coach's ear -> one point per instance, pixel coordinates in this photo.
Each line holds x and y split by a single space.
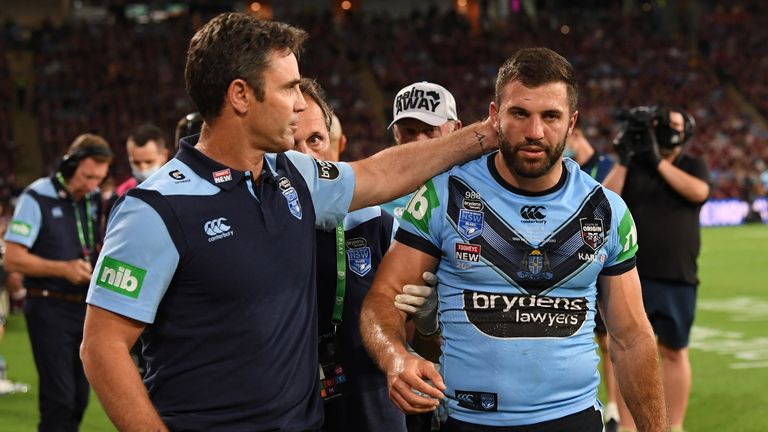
238 96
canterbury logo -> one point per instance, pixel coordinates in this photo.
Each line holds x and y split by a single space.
533 212
466 397
216 226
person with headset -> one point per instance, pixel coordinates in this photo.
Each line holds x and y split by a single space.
665 189
53 240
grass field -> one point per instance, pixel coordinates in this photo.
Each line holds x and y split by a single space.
729 348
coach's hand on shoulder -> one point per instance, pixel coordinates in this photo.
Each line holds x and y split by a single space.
408 388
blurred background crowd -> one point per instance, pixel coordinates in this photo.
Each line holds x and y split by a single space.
108 66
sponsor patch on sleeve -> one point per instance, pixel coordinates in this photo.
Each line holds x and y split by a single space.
121 277
419 208
627 237
20 228
327 170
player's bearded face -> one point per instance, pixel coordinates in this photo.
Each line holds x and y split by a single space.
527 167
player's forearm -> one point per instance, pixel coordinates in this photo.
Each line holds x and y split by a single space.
19 259
383 331
637 369
689 187
117 383
400 170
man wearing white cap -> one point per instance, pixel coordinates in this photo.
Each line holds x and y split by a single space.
421 111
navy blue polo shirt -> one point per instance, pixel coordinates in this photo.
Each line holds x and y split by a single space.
364 404
223 273
44 223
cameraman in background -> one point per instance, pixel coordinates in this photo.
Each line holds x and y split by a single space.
665 190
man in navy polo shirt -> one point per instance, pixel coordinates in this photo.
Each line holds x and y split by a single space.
353 389
53 240
211 260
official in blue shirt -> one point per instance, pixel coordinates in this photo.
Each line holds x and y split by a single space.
53 240
211 260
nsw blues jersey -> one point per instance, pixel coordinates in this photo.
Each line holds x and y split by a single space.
517 287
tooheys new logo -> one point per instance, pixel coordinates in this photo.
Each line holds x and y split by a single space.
417 100
525 316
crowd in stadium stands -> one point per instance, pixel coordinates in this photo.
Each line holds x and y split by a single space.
108 78
7 153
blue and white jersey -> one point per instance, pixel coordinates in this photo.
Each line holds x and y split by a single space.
517 287
222 271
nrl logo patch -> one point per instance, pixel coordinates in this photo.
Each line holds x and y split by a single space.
592 232
359 261
470 223
291 197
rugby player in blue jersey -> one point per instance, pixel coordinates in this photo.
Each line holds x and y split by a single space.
518 240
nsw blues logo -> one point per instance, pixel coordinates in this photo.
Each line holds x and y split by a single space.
592 232
291 197
537 264
359 260
488 401
470 223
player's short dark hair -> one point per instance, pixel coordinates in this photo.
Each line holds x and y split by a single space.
232 46
311 88
145 133
534 67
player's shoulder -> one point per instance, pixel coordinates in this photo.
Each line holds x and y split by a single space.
177 178
367 215
43 187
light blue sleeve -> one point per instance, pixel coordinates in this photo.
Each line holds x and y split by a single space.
331 184
25 225
136 264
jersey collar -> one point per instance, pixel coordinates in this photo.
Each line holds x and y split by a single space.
215 173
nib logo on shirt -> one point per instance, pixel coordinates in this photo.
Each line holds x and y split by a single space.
120 277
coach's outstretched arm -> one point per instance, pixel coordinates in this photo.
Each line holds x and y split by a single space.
633 350
401 169
105 352
383 331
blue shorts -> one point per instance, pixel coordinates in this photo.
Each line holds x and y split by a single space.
670 307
